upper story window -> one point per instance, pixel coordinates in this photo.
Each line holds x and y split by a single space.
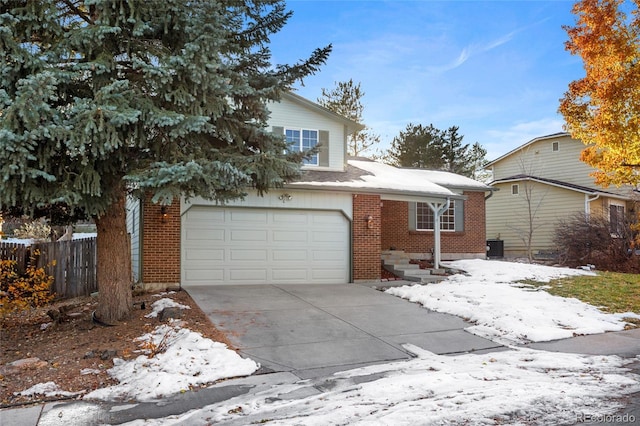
425 218
555 146
302 140
616 219
515 189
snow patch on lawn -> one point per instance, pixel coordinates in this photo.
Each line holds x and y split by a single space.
165 302
506 312
179 359
47 389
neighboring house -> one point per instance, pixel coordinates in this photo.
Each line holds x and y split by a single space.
330 226
541 183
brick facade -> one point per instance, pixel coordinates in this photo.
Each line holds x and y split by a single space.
161 237
469 243
366 237
160 245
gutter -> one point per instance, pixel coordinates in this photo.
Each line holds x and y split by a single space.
370 190
491 193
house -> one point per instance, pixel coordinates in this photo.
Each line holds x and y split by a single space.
330 226
539 184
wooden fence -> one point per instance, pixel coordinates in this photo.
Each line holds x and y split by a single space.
71 263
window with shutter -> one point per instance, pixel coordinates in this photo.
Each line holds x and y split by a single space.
305 139
616 219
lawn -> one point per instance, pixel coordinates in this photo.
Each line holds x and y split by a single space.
610 291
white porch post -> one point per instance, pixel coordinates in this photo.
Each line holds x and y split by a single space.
438 210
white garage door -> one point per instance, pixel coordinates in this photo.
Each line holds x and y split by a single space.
264 246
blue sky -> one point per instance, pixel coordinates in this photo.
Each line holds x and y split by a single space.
496 69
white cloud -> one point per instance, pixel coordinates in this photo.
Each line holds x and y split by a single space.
502 141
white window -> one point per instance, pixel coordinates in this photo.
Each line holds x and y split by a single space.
616 219
555 146
425 218
302 140
515 189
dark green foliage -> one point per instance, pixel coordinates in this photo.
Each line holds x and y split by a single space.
161 96
56 214
424 147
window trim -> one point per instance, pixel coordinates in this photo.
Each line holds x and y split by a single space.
300 148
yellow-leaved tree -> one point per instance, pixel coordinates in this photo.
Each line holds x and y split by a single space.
603 108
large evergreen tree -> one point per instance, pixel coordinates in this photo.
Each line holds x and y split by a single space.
456 155
427 147
346 99
417 146
163 97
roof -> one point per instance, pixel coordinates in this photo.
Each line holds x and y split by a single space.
451 180
370 176
531 142
561 184
352 125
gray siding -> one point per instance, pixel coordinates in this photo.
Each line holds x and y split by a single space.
133 228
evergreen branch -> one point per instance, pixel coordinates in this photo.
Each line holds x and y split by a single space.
78 12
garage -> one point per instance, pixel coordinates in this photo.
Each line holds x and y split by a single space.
232 245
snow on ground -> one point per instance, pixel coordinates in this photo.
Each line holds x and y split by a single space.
46 389
165 302
185 359
519 386
507 312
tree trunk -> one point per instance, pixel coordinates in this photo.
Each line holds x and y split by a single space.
114 264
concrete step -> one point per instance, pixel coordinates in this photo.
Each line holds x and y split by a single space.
418 272
412 274
396 261
430 279
405 266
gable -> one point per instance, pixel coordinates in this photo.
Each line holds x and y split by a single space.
296 113
555 157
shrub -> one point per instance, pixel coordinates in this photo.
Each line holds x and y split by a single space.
584 239
23 291
37 230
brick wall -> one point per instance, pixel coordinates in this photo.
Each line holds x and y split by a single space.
471 241
160 245
366 240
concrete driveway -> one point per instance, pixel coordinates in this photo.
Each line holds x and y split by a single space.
314 330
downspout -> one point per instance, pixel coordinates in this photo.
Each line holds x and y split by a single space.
437 212
587 202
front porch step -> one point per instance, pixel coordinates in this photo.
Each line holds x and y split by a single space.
396 260
405 266
399 263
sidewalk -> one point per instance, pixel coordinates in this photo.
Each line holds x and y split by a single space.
85 413
623 343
